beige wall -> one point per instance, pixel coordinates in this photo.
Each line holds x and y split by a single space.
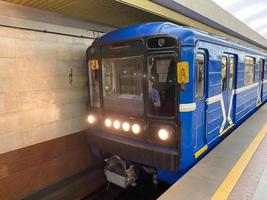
37 103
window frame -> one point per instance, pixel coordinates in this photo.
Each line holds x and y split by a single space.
200 52
114 83
250 65
172 55
235 60
261 69
226 57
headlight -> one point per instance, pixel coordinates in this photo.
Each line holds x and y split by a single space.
116 124
161 42
126 126
164 134
91 119
108 122
136 128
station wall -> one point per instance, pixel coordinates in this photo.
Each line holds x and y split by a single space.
37 101
42 115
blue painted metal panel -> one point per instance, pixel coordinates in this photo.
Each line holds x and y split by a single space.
190 41
187 152
264 92
187 36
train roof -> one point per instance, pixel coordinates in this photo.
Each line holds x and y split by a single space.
187 36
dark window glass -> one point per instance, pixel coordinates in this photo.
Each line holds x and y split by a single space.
261 68
200 75
249 77
265 71
94 86
122 84
232 72
224 73
125 48
161 85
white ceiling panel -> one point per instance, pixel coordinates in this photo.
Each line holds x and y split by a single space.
251 12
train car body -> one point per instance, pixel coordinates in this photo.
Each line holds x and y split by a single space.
227 82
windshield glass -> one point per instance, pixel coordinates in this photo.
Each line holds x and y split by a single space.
161 85
122 84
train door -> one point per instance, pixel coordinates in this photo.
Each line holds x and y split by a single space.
200 96
261 75
228 85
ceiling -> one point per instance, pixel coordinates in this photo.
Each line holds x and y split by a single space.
107 12
251 12
119 13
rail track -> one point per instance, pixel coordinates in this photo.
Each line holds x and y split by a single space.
145 190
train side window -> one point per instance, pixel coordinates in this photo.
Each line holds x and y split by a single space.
265 70
224 73
249 70
200 75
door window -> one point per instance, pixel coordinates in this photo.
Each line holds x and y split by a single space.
224 73
199 75
232 72
261 68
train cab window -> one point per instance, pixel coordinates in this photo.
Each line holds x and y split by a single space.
122 84
200 75
249 77
224 73
232 72
94 85
161 85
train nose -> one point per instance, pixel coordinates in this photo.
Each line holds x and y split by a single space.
117 172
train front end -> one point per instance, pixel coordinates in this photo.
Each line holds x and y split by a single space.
133 110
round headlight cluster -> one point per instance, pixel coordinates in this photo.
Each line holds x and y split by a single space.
108 122
163 134
116 124
125 126
136 128
91 119
161 42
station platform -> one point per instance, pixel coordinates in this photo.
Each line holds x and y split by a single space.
236 169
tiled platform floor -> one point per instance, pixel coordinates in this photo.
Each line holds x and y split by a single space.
203 180
253 182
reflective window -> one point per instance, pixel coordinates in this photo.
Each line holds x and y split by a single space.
261 68
232 72
249 77
224 73
94 85
122 84
161 85
265 70
200 75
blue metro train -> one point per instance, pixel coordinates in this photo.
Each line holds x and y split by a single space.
163 95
